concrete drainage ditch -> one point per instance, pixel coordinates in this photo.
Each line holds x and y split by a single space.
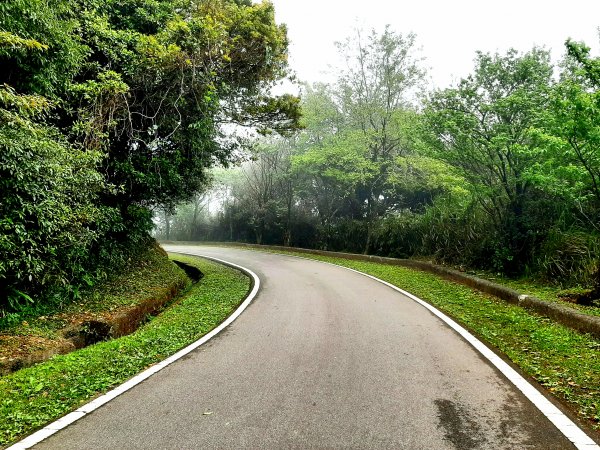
111 325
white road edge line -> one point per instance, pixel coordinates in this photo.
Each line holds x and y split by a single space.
67 420
565 425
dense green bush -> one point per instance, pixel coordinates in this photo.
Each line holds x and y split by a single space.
398 236
569 257
111 109
48 215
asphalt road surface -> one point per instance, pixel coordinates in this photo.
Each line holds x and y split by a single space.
323 358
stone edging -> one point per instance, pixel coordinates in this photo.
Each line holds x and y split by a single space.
564 315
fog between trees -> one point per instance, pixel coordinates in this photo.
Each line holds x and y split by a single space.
500 171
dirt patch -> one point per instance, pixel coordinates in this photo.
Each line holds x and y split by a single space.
587 297
17 352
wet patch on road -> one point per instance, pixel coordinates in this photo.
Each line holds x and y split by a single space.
459 427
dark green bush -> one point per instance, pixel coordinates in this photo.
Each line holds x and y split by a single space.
569 257
47 213
398 236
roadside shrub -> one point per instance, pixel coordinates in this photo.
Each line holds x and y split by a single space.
456 232
304 234
569 257
398 236
47 215
346 236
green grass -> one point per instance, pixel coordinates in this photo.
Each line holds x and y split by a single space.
33 397
566 362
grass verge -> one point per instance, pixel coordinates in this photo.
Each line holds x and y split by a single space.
564 361
33 397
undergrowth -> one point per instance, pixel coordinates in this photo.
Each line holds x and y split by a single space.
151 275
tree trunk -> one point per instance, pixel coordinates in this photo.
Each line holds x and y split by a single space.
194 221
370 220
287 234
167 227
368 243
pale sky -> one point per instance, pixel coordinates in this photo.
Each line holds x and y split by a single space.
449 32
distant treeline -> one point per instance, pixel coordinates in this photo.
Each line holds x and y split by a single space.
500 171
110 109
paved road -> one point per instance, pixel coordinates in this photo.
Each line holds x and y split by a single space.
323 358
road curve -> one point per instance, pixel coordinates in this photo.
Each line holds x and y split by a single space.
323 358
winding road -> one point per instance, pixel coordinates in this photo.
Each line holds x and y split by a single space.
322 358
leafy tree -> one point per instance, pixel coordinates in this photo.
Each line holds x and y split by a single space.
49 218
568 138
570 130
40 47
329 176
210 64
141 98
482 127
266 192
383 75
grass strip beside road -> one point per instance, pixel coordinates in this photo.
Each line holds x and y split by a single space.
564 361
33 397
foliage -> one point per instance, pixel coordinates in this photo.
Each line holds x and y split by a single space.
570 256
498 172
312 189
374 94
48 214
148 274
112 109
481 127
40 46
567 138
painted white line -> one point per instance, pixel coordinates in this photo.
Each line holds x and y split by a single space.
67 420
565 425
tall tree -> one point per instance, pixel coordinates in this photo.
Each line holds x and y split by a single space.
381 80
266 192
482 127
153 89
571 126
568 137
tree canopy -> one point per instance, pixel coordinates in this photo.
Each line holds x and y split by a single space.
111 109
499 171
